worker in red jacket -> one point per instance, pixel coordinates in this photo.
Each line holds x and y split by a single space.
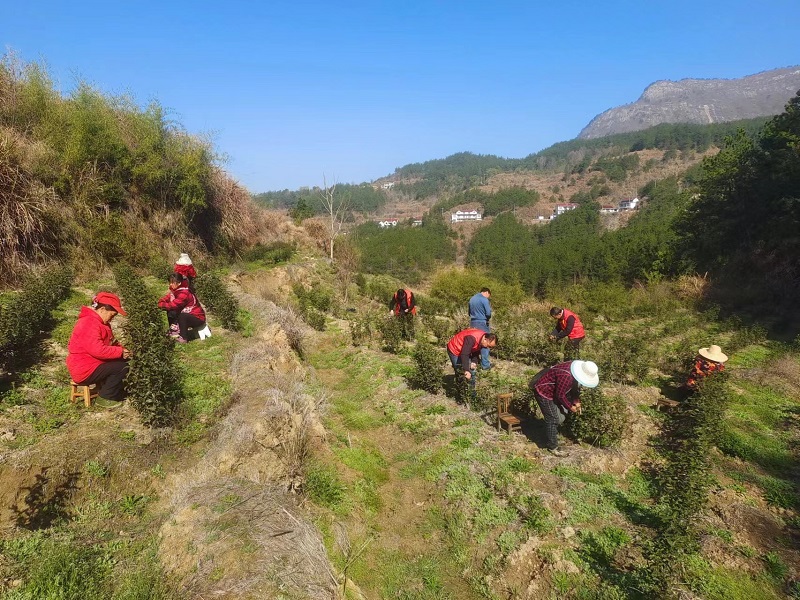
183 310
464 348
568 325
94 356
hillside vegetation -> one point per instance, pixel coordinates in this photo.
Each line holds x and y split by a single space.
316 447
92 179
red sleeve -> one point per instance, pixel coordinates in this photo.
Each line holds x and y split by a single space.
180 301
93 344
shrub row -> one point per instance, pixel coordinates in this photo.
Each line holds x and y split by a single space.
683 481
155 381
216 297
24 314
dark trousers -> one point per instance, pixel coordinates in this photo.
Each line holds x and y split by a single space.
172 316
109 378
188 321
572 349
553 417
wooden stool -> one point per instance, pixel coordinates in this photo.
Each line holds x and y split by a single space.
504 416
87 393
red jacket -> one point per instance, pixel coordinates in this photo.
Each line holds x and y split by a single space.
185 270
183 300
397 303
90 345
456 343
577 331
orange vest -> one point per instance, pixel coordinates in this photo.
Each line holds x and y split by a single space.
577 328
456 343
413 310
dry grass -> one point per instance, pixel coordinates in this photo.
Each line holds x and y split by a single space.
692 287
25 226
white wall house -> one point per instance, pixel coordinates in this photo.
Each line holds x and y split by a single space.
560 209
465 215
387 223
608 209
629 204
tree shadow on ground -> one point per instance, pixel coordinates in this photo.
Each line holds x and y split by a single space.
45 503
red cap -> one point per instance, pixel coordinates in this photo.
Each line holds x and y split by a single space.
112 300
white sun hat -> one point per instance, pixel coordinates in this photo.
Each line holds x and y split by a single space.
713 352
183 259
585 372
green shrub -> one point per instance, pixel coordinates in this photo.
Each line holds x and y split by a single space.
271 254
155 380
23 315
361 329
314 318
683 480
535 515
427 373
442 328
393 334
746 336
219 300
624 359
602 421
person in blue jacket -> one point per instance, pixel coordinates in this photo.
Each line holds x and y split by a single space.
480 311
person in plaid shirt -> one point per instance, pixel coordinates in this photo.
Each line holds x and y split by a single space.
557 392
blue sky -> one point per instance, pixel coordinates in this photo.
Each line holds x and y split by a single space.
292 91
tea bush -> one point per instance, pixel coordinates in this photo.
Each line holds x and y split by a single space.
155 380
602 421
683 481
746 336
624 359
361 329
427 373
23 315
219 300
442 328
393 334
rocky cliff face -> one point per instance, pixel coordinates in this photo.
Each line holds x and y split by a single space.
700 101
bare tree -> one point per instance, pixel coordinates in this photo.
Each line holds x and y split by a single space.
336 206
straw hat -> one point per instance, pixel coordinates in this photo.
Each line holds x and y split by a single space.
585 373
183 259
714 353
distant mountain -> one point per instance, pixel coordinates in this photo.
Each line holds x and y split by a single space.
700 101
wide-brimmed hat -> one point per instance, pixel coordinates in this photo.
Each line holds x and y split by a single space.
183 259
112 300
714 353
585 372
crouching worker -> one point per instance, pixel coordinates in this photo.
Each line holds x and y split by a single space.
404 305
94 356
557 392
464 349
568 325
708 360
183 310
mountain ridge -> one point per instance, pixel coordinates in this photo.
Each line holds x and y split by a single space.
700 101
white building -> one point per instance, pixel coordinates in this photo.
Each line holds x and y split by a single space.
608 209
560 209
465 215
387 223
388 185
629 204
